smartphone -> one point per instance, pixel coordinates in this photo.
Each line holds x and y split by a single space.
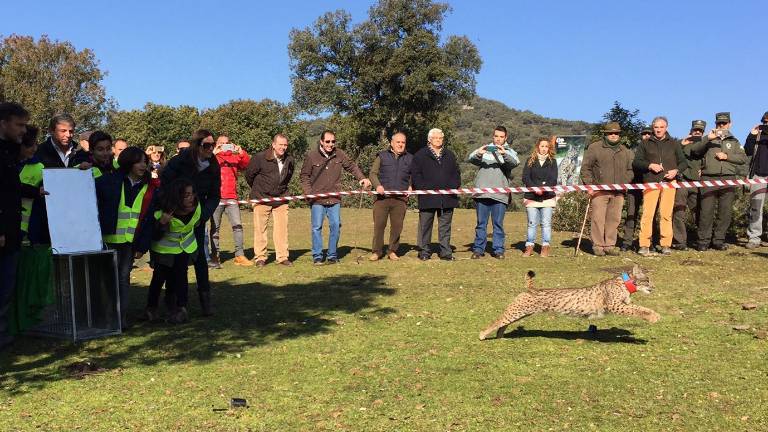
228 147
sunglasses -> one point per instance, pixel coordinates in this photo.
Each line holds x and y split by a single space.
612 133
207 146
330 141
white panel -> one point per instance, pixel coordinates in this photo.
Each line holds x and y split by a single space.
73 218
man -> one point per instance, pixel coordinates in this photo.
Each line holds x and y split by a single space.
606 162
659 159
13 126
634 198
435 167
687 198
495 162
232 160
321 172
391 171
182 145
269 173
84 141
118 146
59 150
723 159
756 146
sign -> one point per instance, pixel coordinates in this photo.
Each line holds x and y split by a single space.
73 217
569 152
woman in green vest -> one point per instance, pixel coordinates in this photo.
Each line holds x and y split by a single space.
173 245
120 196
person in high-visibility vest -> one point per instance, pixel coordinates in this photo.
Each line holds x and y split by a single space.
102 160
31 176
120 196
173 244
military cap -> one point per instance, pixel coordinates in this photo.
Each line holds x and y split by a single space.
646 130
612 127
765 116
723 117
698 124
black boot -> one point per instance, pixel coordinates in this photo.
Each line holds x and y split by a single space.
205 303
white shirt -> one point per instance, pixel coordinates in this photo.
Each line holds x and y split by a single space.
62 155
280 164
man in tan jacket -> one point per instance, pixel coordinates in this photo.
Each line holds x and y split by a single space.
321 173
606 162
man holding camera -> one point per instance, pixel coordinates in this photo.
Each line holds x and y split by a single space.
232 160
723 159
687 198
495 162
757 147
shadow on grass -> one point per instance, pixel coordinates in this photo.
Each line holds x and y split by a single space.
611 335
247 315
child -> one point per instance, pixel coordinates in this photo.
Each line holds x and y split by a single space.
173 245
102 159
121 196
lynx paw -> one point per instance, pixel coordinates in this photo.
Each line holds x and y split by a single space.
653 317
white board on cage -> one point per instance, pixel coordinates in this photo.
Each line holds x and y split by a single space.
73 218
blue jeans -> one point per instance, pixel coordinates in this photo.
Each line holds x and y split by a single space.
320 212
536 216
486 207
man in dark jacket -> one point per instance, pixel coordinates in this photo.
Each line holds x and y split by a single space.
723 159
13 126
269 173
660 159
321 173
606 162
391 171
634 198
435 167
199 166
756 146
687 198
60 150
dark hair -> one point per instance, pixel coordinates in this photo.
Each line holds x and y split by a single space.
327 131
12 109
501 129
61 118
197 140
171 197
98 136
131 156
30 137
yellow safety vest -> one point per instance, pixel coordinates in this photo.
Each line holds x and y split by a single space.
31 174
97 171
127 218
180 237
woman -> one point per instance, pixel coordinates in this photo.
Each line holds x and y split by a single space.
540 170
173 245
157 159
199 166
121 196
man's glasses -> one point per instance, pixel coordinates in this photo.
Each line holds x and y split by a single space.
612 133
330 141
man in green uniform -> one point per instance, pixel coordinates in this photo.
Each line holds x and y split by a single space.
688 199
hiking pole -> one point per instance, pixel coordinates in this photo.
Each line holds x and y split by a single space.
583 224
359 207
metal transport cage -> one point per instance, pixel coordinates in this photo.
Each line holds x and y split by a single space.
87 304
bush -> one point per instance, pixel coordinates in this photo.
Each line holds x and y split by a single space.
569 212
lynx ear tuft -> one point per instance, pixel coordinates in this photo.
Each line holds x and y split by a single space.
531 274
636 270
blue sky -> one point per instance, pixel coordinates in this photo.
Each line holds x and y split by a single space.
563 59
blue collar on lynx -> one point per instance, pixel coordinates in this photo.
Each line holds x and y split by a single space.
629 283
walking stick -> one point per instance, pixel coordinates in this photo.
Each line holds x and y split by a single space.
359 207
583 224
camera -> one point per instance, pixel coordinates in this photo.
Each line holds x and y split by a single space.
491 148
228 147
763 129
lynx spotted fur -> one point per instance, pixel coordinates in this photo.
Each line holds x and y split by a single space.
610 295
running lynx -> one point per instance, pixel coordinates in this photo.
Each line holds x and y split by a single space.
611 295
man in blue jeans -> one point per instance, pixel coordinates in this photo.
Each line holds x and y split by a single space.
495 162
321 173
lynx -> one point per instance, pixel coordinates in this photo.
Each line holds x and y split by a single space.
611 295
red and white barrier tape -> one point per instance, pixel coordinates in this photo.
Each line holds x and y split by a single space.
522 189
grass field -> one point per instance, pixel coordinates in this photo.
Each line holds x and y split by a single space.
393 346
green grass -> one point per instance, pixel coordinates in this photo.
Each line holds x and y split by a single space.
393 346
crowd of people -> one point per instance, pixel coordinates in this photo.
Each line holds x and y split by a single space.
173 207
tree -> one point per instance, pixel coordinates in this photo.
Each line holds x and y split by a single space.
155 124
631 125
252 124
50 77
387 73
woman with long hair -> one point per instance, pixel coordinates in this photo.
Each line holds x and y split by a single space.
540 170
157 159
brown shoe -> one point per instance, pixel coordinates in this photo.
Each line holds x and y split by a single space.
374 257
286 263
260 263
545 251
393 256
243 261
179 316
528 251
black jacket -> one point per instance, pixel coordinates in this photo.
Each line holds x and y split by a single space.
666 151
207 182
758 150
540 175
265 178
428 173
50 157
10 197
109 188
